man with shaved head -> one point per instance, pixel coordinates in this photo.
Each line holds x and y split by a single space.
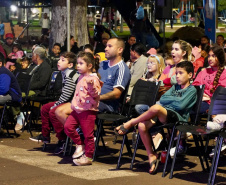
115 74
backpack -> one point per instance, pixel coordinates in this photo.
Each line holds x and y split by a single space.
140 13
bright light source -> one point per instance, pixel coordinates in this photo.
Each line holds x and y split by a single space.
34 10
97 11
13 8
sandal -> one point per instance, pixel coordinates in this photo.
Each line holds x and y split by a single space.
122 128
156 163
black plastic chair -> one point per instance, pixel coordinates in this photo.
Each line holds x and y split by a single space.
195 110
217 151
217 106
168 126
24 81
51 95
112 118
144 92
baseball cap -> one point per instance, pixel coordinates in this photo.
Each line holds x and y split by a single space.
9 35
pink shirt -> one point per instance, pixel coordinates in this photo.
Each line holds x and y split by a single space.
18 54
87 93
206 77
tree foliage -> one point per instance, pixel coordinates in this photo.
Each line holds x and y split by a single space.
221 5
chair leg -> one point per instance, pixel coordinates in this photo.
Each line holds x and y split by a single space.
6 121
175 155
135 150
40 104
102 140
121 150
2 119
203 150
199 151
216 162
168 151
29 125
26 115
128 146
44 146
65 147
164 138
3 112
71 144
97 138
30 119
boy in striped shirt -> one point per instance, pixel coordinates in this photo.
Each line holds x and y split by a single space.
66 65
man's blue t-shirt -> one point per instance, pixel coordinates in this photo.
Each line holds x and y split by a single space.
113 76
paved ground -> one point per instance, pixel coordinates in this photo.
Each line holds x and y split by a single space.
23 162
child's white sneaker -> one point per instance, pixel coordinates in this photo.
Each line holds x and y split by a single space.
214 126
80 150
83 161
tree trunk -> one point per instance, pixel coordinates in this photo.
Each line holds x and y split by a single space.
78 21
4 14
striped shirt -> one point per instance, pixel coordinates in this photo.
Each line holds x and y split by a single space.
69 84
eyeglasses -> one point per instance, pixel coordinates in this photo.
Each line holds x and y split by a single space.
151 63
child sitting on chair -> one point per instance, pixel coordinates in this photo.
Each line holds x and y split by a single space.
175 106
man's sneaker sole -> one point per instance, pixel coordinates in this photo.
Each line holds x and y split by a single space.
35 140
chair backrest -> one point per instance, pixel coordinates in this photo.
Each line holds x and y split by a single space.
24 81
218 102
55 79
122 100
196 107
144 92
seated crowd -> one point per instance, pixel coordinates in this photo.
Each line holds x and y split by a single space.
93 82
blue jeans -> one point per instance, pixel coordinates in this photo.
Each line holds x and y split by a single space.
141 108
103 107
204 107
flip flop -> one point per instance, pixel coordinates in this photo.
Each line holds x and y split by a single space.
122 128
156 163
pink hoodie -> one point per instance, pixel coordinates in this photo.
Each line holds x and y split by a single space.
87 93
18 54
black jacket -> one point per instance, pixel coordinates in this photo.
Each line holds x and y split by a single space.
40 79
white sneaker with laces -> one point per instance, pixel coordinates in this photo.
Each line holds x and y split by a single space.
80 150
82 161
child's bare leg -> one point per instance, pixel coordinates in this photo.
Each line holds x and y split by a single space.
146 139
63 112
153 111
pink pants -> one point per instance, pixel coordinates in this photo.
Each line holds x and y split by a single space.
48 116
86 120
